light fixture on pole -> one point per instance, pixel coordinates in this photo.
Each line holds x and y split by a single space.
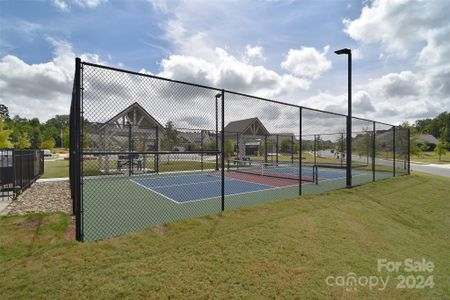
348 52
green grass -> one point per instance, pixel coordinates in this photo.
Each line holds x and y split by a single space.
283 249
56 169
431 158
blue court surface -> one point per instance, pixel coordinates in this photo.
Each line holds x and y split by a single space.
184 188
194 187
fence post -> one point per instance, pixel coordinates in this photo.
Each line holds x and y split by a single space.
393 151
223 152
77 150
201 145
300 150
158 148
217 133
277 150
265 148
373 152
409 151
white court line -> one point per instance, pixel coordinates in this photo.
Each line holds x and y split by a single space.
226 179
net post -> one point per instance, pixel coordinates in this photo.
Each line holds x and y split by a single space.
373 151
314 157
393 151
300 152
223 152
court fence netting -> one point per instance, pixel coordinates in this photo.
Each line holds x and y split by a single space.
146 150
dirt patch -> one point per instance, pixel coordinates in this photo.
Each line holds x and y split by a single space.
69 235
160 230
31 223
264 210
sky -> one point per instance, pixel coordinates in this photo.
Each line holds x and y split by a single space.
282 50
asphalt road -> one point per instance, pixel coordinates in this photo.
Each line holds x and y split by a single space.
442 170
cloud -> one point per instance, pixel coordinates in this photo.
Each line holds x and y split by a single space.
42 89
400 26
64 5
400 84
307 62
254 53
226 71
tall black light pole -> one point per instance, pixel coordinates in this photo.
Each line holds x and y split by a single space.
348 52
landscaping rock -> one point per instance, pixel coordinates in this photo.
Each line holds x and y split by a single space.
42 197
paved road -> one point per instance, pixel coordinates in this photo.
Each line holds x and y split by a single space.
442 170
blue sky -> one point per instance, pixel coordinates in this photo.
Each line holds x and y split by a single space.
401 50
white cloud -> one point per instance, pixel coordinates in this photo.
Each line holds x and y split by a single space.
42 89
418 30
307 62
65 5
226 71
400 26
254 53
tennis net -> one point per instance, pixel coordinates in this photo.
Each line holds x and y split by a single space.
270 169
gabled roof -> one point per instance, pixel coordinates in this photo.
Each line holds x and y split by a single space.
426 138
135 106
241 126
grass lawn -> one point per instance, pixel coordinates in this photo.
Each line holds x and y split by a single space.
283 249
431 158
56 169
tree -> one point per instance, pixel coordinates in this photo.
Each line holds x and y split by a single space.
24 141
285 146
59 121
66 137
4 112
211 145
36 138
48 144
228 147
171 137
440 149
4 136
192 146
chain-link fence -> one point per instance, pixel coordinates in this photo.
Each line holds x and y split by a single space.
147 150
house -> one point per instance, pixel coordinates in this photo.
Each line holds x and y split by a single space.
426 142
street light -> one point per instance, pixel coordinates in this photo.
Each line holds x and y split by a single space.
348 52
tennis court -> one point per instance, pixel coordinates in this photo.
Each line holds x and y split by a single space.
184 188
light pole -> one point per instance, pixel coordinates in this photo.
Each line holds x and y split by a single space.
348 52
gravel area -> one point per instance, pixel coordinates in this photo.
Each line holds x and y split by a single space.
42 197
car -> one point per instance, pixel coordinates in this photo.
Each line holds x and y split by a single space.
47 153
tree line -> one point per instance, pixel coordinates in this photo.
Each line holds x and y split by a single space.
22 133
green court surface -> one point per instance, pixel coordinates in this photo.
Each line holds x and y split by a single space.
116 205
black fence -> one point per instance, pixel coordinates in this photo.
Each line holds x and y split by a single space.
147 150
19 168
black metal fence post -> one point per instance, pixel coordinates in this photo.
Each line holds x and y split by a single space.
201 146
300 150
409 151
373 151
223 152
77 150
157 149
217 133
393 151
277 149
